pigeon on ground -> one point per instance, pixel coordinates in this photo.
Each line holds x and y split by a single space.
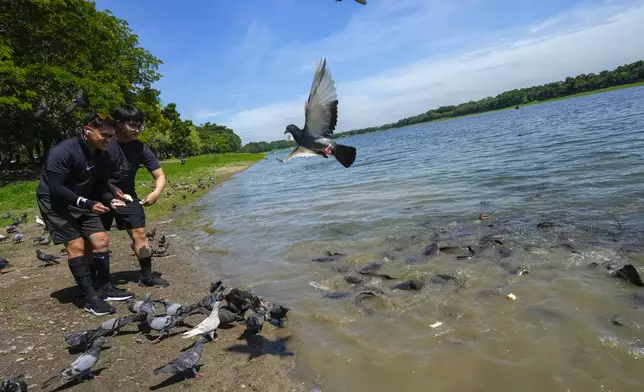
142 308
82 366
3 238
208 326
6 215
40 222
171 308
16 384
4 263
151 234
115 324
78 339
164 324
16 221
17 238
255 323
12 229
80 101
320 119
46 258
188 360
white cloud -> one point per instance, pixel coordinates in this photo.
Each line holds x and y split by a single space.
587 40
204 114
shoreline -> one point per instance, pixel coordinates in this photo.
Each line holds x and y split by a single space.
43 307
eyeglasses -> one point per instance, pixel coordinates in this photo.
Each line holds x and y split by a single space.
134 125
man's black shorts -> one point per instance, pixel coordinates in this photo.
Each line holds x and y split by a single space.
68 223
132 216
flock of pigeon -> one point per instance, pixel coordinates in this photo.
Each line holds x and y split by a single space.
241 306
14 234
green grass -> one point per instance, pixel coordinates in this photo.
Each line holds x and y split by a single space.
21 196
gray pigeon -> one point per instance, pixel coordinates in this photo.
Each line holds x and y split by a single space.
81 367
17 238
171 308
77 339
143 308
186 361
115 324
164 324
46 258
320 119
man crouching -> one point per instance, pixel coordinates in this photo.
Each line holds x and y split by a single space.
74 177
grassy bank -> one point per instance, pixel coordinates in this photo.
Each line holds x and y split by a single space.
21 197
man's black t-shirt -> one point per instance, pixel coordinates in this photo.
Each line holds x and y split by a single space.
71 171
125 160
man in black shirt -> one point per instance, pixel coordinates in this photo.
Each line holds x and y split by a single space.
126 156
73 187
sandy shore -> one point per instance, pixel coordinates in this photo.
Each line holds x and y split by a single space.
40 304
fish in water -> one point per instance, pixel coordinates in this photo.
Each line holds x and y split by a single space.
431 249
409 285
329 257
357 301
371 268
320 119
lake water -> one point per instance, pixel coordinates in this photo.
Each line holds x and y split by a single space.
576 163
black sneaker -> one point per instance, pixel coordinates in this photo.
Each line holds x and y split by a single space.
98 307
154 281
111 293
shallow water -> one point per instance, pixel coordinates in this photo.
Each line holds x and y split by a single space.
575 162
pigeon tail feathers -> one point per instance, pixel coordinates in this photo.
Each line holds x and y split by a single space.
346 155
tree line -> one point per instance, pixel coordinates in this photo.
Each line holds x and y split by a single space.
622 75
49 49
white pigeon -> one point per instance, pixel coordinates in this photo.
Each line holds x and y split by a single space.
208 326
40 221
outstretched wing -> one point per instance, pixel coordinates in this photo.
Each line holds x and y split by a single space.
298 152
321 109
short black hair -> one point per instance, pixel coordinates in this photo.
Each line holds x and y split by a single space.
128 112
94 119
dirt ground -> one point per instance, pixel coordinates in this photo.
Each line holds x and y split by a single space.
39 305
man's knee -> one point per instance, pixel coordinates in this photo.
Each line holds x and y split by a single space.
75 247
100 242
139 237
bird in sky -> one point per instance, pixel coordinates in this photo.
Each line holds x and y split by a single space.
320 119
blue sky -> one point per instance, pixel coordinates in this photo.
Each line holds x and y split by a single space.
248 64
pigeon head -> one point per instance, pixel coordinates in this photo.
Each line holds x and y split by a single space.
292 129
99 342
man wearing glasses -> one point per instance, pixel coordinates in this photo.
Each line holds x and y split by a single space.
73 187
126 156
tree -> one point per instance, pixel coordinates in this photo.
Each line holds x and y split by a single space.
50 49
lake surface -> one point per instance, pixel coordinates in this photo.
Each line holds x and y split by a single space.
576 163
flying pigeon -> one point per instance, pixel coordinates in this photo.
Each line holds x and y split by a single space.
320 119
363 2
80 101
186 361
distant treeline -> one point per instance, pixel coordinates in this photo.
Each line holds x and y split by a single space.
624 74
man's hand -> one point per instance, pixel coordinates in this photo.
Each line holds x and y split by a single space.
99 208
117 203
151 198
